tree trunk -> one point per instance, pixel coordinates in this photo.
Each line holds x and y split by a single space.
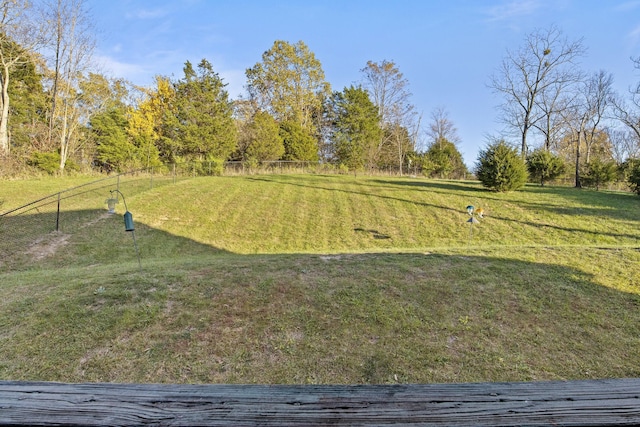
64 140
399 141
4 113
578 184
525 129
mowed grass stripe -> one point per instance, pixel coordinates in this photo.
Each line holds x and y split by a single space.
267 214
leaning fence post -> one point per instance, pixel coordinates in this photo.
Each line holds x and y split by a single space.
58 215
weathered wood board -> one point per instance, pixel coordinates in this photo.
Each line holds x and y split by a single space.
570 403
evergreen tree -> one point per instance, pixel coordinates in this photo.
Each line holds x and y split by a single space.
544 166
264 140
299 144
443 160
356 127
598 173
633 177
114 150
501 168
202 124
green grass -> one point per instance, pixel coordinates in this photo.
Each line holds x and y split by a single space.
328 279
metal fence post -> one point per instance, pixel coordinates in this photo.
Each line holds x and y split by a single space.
58 215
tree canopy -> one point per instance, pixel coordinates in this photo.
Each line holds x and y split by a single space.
202 123
443 160
356 128
55 105
289 83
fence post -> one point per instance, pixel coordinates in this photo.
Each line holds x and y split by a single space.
58 215
152 178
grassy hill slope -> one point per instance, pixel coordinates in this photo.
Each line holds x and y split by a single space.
328 279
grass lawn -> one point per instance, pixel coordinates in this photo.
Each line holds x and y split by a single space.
325 279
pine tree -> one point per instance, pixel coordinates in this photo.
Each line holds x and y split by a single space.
202 124
501 168
544 166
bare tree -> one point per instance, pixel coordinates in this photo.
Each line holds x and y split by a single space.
585 115
629 114
72 45
389 91
441 127
598 93
551 103
545 64
21 35
624 144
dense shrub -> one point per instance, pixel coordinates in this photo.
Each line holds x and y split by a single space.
544 166
633 177
598 173
443 160
501 168
48 162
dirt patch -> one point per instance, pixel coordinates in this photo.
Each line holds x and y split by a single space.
335 257
48 245
96 220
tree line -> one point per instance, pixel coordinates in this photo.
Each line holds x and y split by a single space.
57 113
564 118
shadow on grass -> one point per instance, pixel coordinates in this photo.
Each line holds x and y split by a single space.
85 237
196 316
614 205
594 233
611 204
338 319
374 233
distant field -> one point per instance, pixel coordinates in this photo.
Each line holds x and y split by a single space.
323 279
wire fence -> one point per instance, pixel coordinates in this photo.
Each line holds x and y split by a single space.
47 218
25 226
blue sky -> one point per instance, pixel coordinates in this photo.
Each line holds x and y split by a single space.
447 50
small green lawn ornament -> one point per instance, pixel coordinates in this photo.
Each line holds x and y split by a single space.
471 210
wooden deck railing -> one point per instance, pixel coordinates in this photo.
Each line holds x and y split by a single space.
571 403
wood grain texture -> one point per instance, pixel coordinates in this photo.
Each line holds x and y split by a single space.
571 403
